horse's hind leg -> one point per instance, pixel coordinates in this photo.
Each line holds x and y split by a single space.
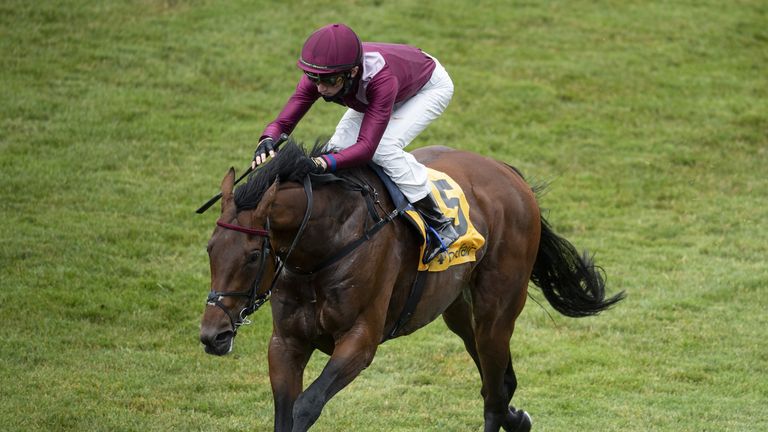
515 421
458 318
497 300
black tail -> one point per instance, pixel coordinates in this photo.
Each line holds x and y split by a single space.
570 282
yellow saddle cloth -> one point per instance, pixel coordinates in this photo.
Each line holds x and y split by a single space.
453 203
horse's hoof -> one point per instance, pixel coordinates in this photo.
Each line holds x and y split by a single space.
518 421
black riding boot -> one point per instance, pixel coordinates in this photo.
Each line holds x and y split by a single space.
442 225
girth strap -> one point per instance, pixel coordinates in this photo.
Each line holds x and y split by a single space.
410 304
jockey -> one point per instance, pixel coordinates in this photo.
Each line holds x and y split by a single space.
392 92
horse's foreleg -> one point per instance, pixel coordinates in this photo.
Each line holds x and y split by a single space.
353 353
287 360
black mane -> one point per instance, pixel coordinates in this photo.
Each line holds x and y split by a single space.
282 166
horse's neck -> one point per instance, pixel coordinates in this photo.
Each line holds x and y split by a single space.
338 216
331 207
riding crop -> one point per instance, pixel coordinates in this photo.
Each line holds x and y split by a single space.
212 201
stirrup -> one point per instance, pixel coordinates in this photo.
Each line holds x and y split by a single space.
434 251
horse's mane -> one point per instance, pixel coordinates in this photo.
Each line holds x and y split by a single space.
283 167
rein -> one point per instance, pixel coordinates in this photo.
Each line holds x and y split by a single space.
371 200
351 246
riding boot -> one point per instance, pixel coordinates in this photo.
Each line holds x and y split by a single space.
440 224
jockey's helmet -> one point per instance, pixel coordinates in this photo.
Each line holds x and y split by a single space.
332 49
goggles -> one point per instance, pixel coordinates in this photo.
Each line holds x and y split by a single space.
329 80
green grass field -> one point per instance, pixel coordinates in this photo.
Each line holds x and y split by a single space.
649 119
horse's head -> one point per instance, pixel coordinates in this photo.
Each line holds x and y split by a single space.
262 220
241 268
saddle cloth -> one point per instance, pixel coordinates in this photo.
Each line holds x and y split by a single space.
453 203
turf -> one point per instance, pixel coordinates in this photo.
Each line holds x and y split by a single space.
648 119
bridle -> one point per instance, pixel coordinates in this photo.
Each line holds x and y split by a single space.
256 300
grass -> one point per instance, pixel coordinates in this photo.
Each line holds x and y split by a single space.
650 119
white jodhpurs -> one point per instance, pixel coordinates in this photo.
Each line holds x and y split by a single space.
409 118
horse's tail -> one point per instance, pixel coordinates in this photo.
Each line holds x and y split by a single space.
570 282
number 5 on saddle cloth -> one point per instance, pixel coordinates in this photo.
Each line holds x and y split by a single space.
453 203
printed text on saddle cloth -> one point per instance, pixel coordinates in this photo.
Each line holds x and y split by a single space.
454 205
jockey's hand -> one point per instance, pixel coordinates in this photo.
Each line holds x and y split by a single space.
305 167
266 148
320 164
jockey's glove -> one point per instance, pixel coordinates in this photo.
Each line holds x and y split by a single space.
308 166
321 165
265 148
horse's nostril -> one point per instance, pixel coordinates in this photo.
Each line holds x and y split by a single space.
223 337
209 339
218 344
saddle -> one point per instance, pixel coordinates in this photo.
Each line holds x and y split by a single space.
454 204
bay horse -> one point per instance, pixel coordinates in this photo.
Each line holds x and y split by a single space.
340 286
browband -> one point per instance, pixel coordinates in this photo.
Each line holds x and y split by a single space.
242 229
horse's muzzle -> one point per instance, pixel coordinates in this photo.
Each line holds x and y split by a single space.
217 343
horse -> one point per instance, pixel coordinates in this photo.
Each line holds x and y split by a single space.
338 268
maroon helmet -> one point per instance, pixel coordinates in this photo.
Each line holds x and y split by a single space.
332 49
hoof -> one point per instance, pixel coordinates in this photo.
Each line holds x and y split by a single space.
518 421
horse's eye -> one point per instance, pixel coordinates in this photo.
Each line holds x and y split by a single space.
254 257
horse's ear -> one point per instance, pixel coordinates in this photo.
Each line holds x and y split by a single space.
227 185
266 201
